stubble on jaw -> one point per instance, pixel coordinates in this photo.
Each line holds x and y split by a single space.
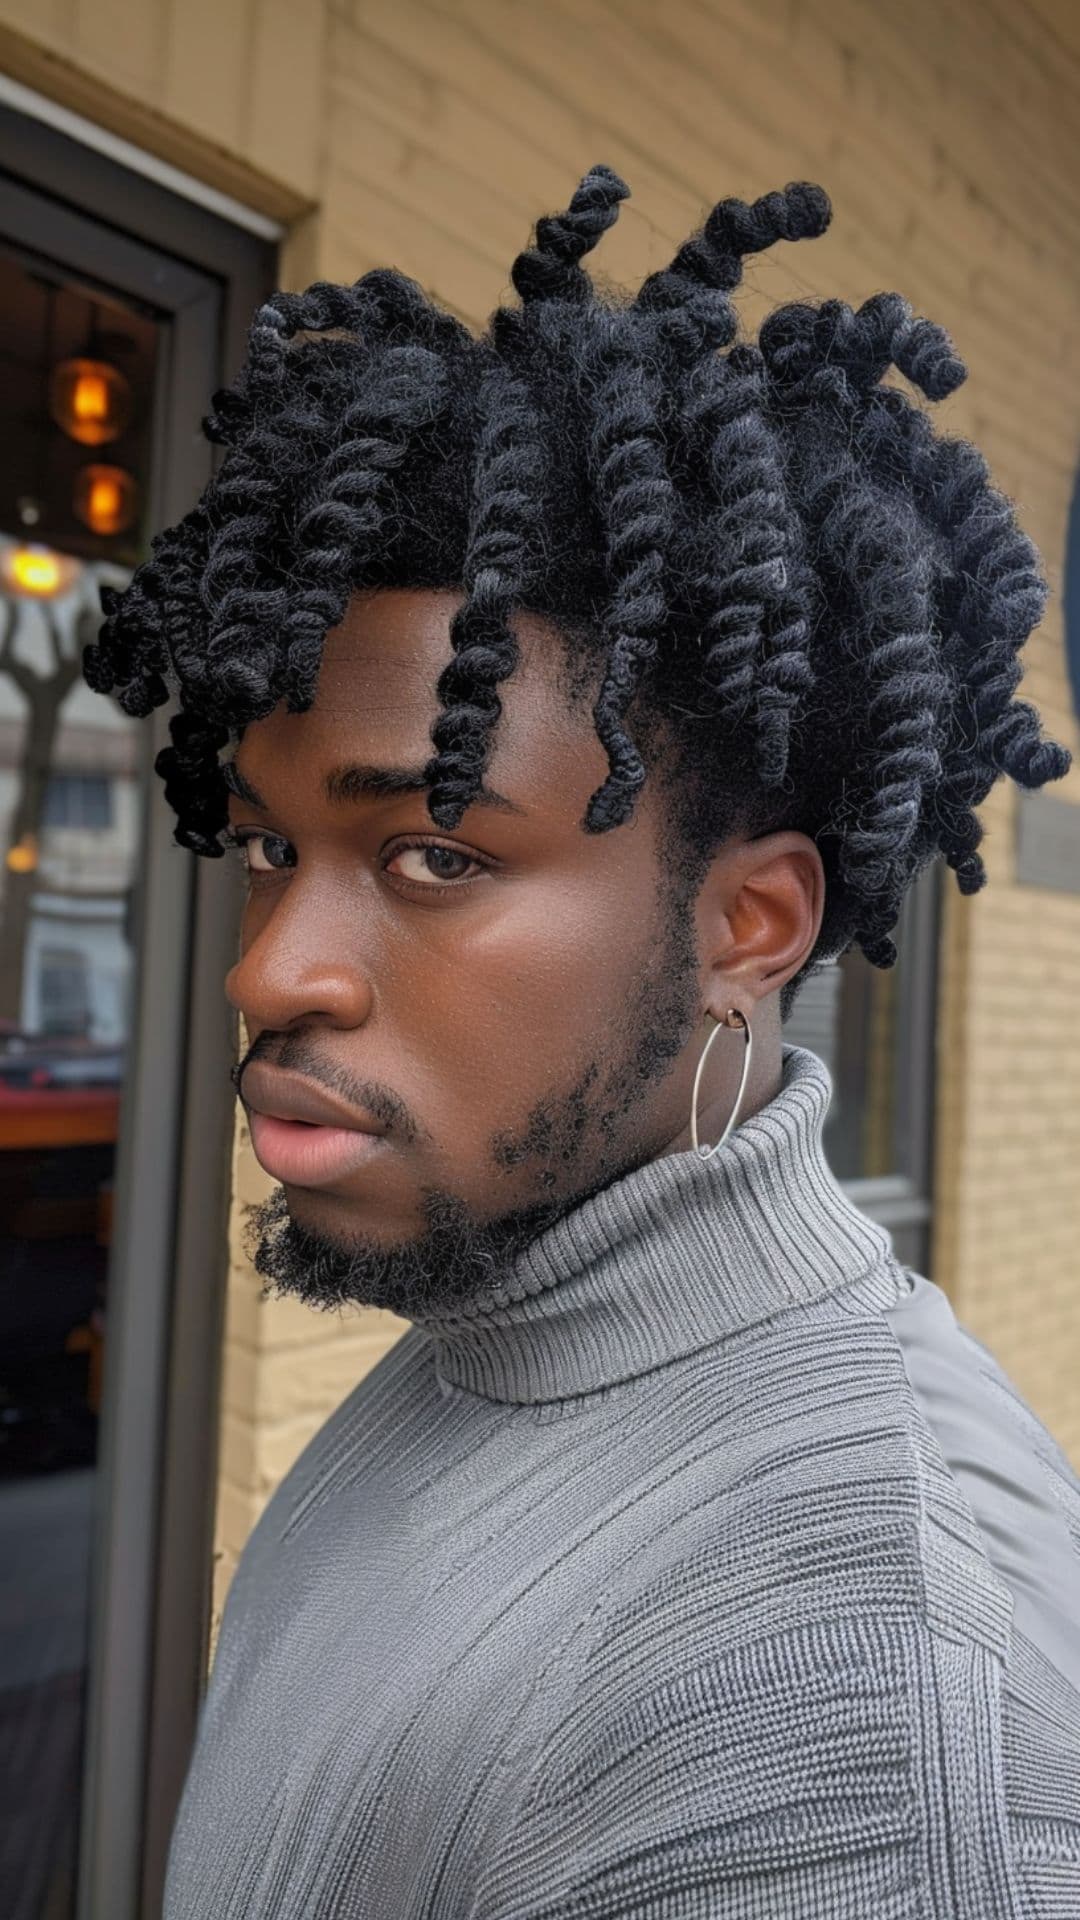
456 1257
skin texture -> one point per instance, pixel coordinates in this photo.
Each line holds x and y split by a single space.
527 1028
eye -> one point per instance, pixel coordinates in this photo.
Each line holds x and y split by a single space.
262 852
428 864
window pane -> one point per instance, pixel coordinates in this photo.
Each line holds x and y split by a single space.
852 1015
69 829
64 989
77 800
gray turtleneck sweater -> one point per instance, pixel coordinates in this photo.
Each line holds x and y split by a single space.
709 1568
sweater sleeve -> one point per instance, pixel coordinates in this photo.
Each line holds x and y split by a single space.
842 1768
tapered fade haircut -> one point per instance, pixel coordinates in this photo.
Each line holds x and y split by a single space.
793 604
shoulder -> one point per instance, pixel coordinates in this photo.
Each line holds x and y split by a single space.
845 1765
1002 1502
772 1730
345 1456
803 1695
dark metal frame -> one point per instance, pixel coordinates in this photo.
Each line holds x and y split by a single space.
168 1267
903 1201
1072 595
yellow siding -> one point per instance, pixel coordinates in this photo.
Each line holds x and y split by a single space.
231 92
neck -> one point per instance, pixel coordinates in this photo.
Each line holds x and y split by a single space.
679 1254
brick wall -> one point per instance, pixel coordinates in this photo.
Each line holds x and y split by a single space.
429 134
285 1368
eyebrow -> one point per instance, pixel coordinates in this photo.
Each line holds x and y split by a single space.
355 781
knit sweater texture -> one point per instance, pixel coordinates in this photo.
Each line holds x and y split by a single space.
708 1567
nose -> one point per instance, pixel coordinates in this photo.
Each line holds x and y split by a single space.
300 965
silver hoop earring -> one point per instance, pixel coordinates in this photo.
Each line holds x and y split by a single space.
732 1018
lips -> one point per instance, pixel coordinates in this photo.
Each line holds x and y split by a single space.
303 1135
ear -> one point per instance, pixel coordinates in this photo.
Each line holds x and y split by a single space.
759 913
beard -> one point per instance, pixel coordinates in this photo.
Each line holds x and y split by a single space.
573 1144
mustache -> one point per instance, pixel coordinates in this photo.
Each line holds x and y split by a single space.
296 1051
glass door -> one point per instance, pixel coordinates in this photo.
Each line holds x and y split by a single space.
876 1030
121 308
77 380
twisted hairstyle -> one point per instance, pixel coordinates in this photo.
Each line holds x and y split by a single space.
801 606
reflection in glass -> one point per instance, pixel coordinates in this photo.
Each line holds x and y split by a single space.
68 797
849 1014
69 833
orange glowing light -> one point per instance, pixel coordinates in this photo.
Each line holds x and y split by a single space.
23 856
36 572
91 400
105 499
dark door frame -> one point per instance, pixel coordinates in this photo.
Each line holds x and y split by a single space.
1072 594
157 1463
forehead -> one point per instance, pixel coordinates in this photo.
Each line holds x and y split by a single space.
392 645
376 700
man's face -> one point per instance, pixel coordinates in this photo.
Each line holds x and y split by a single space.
512 1000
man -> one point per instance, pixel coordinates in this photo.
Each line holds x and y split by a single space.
589 685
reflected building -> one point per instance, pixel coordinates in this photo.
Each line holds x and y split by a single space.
77 960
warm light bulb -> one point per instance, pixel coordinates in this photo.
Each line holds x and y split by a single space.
90 399
37 573
23 856
105 499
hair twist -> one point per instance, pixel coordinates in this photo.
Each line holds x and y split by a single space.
507 501
767 551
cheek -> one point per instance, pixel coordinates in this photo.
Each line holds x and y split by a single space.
518 1002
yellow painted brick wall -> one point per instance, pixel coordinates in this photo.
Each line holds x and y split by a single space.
430 133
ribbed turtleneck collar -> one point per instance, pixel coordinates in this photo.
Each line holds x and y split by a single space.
677 1255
